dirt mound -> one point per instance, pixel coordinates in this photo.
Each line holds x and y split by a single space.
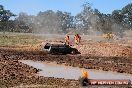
105 49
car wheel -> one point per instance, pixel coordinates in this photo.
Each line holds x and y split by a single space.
52 51
73 52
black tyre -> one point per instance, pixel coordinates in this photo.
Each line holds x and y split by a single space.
52 51
73 52
84 81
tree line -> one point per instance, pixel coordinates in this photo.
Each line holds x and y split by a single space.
88 21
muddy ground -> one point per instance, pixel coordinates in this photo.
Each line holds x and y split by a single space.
15 74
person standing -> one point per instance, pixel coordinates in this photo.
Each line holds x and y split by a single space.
67 39
77 39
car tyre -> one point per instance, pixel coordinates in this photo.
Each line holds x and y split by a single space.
73 52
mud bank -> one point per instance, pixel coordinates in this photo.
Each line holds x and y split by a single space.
14 74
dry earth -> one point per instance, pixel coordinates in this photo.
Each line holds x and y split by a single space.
114 56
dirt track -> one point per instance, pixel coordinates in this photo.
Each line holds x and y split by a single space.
14 73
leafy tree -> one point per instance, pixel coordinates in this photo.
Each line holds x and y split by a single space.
127 15
47 22
83 19
87 21
65 20
5 15
117 15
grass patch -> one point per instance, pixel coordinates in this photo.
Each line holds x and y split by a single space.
16 39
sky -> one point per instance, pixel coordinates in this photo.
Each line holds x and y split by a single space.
32 7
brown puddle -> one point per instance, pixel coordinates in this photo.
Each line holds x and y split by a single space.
67 72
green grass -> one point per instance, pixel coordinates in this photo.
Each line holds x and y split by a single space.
18 39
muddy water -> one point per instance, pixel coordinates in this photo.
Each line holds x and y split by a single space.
49 69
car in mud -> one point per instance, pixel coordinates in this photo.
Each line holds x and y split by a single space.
60 49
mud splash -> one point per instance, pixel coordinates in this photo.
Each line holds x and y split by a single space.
51 69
